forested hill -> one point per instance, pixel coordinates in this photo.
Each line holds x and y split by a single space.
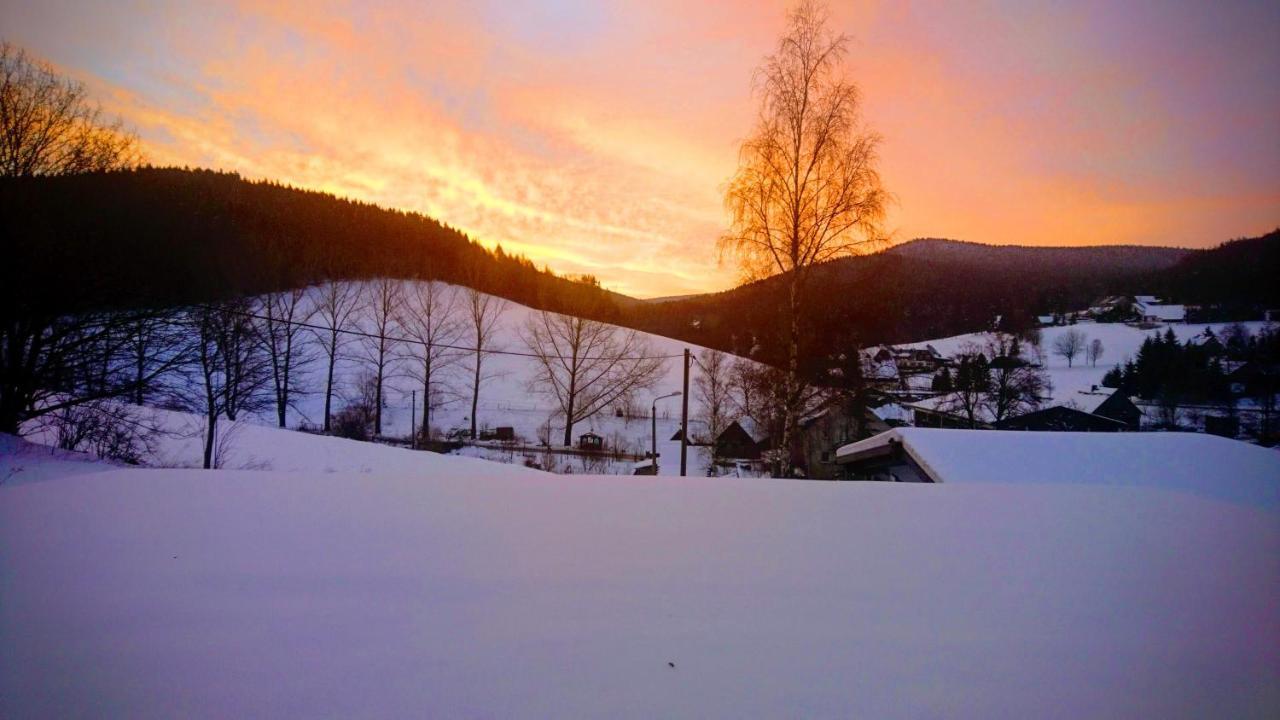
172 236
166 235
936 288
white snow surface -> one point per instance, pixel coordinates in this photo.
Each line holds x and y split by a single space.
468 589
1205 465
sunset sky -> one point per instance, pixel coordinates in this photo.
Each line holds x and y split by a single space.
597 136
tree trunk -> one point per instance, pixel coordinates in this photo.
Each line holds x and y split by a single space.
377 403
475 396
426 397
328 386
140 369
209 438
568 413
792 388
282 387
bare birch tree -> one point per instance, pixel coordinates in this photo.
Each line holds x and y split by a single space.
587 365
430 316
335 303
281 327
378 348
712 386
807 189
482 314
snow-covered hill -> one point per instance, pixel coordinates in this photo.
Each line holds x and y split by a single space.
507 399
445 588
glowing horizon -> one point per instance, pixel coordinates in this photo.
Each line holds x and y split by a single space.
595 137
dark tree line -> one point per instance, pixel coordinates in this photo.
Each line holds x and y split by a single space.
171 236
1165 367
1213 369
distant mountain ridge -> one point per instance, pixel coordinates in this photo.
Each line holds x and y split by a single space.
937 288
1128 258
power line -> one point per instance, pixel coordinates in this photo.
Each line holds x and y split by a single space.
415 341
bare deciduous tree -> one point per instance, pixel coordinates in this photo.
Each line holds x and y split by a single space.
969 396
51 360
1095 351
281 329
482 314
711 386
1015 386
234 369
429 316
587 365
48 125
382 308
1070 344
335 303
158 351
807 189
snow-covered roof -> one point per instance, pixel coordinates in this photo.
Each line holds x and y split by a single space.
754 430
892 411
1089 400
949 404
1146 299
1165 312
1200 464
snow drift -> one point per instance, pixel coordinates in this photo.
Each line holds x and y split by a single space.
495 593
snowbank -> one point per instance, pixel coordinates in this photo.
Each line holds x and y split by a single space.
1204 465
498 593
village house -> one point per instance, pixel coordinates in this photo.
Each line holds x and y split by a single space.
821 434
1142 308
918 361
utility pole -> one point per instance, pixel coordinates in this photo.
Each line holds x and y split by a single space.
684 415
413 420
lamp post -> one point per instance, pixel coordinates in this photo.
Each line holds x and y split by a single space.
653 420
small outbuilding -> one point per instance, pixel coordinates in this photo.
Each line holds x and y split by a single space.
590 442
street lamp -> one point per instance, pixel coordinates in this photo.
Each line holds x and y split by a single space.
653 419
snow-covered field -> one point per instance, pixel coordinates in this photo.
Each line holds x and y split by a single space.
432 586
1120 342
